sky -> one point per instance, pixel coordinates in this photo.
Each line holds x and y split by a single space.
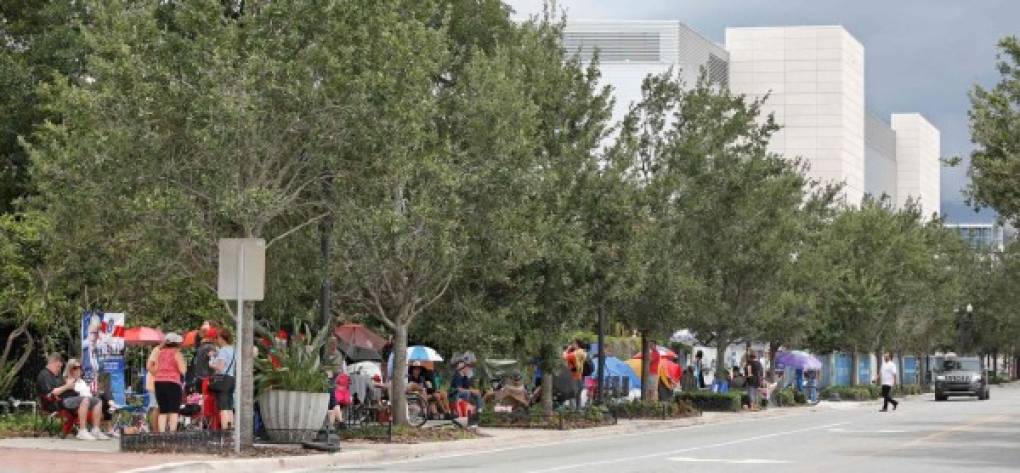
920 55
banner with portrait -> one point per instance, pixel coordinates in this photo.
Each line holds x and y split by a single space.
102 350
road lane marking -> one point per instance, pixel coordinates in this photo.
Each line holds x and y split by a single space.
845 431
746 461
689 449
969 427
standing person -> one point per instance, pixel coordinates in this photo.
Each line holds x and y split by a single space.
888 378
221 383
150 386
169 367
755 378
575 357
699 369
199 370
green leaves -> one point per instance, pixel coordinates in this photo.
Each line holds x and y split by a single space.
994 115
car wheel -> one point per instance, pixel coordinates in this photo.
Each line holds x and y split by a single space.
940 397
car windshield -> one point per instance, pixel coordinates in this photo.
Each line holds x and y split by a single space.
961 365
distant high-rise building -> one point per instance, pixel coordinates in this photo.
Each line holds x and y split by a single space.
984 236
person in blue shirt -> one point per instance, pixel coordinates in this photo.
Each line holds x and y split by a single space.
222 383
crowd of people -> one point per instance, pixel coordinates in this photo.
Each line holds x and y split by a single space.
170 382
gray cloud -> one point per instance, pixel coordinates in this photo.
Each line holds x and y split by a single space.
922 55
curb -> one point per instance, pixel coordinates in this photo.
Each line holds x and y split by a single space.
396 453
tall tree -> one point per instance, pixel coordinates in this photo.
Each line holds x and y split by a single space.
201 121
727 205
994 115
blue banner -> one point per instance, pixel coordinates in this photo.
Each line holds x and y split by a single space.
102 353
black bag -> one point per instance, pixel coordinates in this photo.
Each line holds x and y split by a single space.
589 367
223 382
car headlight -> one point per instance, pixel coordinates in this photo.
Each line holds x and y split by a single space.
940 378
975 378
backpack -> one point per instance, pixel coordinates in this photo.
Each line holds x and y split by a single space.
589 367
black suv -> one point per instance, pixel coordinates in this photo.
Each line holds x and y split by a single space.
961 376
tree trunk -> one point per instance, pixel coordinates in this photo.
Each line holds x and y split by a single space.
995 362
649 386
918 374
326 256
720 357
773 349
398 379
547 354
245 419
855 368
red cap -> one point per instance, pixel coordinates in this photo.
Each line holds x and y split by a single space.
211 333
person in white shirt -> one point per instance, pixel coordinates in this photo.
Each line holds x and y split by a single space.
888 379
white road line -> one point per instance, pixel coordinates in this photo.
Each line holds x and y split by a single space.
690 449
845 431
746 461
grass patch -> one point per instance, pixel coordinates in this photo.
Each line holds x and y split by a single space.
26 424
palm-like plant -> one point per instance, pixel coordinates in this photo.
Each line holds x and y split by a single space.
294 364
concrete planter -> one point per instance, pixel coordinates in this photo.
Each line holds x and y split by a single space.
293 416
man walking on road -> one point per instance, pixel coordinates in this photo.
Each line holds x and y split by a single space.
888 375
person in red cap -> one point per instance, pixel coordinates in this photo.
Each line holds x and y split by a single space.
199 370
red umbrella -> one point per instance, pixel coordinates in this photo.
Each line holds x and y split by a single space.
662 351
360 336
143 336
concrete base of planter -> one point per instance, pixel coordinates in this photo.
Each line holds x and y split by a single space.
293 416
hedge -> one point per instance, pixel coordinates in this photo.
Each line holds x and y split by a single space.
788 397
852 393
869 392
563 419
638 409
709 401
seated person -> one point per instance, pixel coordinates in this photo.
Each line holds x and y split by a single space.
423 381
738 381
461 386
74 394
513 394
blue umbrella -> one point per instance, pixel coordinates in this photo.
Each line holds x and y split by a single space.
616 367
417 353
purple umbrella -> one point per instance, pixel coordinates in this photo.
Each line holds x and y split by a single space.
798 360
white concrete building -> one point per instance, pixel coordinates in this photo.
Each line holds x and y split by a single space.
918 167
629 51
814 77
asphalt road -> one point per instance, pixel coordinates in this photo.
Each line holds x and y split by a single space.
921 436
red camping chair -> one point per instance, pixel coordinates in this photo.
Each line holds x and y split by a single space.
51 405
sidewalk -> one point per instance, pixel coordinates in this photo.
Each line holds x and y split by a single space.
53 455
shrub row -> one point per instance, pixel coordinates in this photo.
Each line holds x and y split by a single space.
788 397
536 419
869 392
638 409
709 401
